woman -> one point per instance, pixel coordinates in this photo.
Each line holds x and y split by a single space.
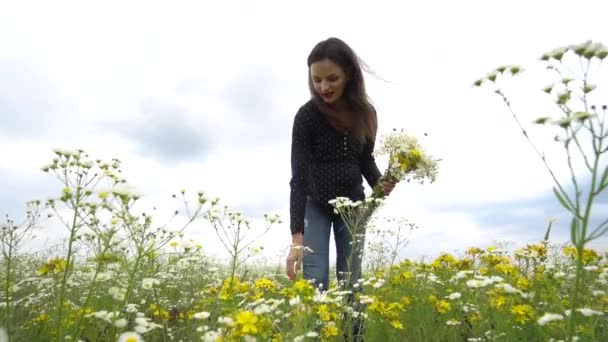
333 139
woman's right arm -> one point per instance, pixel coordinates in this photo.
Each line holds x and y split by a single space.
300 160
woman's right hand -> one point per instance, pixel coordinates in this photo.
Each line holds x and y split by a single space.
296 256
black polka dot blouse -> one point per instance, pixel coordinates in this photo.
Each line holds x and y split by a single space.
325 164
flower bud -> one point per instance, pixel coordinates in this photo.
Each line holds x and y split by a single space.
589 88
564 122
589 53
516 70
542 120
559 54
563 98
582 116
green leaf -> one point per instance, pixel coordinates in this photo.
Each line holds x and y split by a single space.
548 231
573 231
561 199
604 181
599 231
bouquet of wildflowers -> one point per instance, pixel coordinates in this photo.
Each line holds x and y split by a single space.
407 160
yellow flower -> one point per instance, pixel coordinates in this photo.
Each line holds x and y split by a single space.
397 325
390 311
494 259
230 287
522 313
443 306
464 264
415 156
304 288
41 317
403 162
523 283
506 269
323 312
540 249
405 301
55 265
474 251
445 260
329 330
497 302
246 323
570 251
474 316
277 338
407 275
589 255
265 284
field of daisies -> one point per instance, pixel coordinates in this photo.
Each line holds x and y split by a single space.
121 276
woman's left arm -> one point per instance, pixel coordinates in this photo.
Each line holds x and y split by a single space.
369 169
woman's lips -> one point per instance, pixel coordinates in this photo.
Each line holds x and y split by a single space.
327 95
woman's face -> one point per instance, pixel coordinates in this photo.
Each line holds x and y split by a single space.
328 80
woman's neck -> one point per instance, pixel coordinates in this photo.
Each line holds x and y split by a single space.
340 106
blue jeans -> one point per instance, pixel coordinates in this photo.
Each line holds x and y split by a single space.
317 228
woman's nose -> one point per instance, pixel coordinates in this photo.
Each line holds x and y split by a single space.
324 86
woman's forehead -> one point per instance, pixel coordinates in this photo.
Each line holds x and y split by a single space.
325 67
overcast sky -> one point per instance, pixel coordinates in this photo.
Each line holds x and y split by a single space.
201 95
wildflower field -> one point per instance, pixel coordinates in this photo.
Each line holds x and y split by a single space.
121 276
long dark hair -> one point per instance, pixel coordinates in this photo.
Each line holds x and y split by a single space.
363 121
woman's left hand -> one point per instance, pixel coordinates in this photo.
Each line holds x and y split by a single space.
388 186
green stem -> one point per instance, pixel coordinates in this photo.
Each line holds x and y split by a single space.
159 309
577 287
7 288
89 294
132 275
235 256
580 249
64 279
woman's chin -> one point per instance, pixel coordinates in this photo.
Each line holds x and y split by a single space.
329 100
